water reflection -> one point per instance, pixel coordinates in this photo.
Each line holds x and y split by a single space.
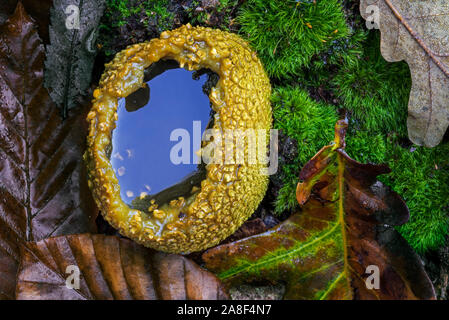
141 141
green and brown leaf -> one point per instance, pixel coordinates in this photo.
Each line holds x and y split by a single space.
43 185
323 251
110 268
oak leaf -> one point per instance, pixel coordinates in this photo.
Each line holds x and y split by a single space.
110 268
339 244
43 186
418 32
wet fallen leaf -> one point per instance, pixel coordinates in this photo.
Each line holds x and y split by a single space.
110 268
418 32
38 10
43 189
333 247
248 229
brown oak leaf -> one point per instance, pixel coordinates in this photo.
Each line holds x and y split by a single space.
110 268
43 186
418 32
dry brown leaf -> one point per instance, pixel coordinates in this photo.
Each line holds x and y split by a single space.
110 268
43 186
418 32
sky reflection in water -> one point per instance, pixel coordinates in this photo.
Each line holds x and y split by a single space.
141 141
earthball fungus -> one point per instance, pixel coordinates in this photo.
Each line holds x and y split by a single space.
229 192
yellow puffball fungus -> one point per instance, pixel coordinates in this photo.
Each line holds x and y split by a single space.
230 192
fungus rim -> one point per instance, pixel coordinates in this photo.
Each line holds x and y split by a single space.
196 48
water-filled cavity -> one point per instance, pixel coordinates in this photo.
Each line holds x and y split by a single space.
141 144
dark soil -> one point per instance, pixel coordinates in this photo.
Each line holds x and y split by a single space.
436 264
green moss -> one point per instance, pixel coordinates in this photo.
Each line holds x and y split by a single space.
287 33
118 11
421 177
308 122
367 147
375 91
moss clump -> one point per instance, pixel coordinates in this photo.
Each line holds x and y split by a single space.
287 33
422 178
367 147
310 123
118 11
374 91
327 64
